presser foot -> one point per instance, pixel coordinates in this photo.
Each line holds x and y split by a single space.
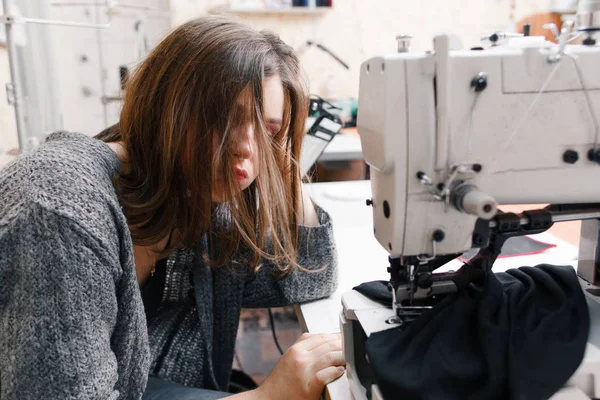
416 289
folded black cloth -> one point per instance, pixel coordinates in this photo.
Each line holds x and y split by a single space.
377 291
521 336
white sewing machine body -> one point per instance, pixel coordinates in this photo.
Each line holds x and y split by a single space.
520 152
452 133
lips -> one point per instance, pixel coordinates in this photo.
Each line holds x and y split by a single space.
241 173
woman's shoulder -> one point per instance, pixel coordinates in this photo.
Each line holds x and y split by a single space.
70 175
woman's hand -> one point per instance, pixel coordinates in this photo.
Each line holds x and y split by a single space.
305 368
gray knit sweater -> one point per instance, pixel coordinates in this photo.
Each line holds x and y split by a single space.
72 321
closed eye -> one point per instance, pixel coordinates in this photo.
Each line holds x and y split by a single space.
274 129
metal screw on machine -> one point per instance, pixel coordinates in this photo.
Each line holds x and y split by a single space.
438 235
478 240
424 179
403 43
479 82
594 155
570 156
424 280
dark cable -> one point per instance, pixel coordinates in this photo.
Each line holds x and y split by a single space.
326 50
273 331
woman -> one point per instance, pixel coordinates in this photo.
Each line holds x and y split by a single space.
196 198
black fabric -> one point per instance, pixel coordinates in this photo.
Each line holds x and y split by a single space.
152 291
241 382
520 337
377 291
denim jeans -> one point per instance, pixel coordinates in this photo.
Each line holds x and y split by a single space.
159 389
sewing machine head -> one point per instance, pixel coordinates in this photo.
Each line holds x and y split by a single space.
453 133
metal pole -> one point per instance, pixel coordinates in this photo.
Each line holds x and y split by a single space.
65 23
562 216
102 68
17 87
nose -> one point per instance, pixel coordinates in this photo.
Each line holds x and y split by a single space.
244 143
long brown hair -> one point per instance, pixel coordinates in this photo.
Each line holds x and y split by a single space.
180 101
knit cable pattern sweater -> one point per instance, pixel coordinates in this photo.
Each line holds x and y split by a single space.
72 322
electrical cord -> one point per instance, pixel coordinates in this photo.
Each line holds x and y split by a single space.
326 50
273 331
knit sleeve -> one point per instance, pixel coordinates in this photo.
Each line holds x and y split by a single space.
58 308
318 277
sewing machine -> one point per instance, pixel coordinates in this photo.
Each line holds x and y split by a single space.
451 134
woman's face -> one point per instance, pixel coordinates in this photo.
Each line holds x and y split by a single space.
245 149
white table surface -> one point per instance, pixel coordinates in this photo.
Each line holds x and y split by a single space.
361 258
343 147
